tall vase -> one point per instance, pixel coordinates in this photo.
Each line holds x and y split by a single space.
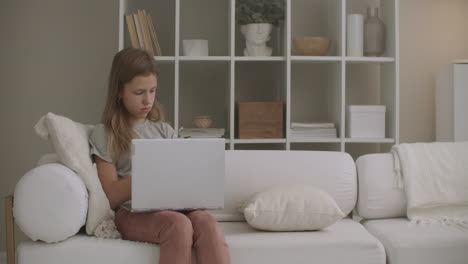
354 35
374 33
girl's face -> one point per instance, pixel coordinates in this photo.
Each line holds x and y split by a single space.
138 97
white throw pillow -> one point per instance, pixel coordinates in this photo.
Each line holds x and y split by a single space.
70 141
292 208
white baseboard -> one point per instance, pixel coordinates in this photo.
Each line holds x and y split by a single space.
2 257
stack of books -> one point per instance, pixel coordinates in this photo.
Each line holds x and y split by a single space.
313 130
201 132
142 33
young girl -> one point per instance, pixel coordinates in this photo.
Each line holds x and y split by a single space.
132 111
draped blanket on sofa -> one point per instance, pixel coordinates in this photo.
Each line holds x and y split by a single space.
435 179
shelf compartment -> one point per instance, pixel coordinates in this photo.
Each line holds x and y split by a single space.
377 83
276 41
259 81
388 14
199 21
204 90
316 93
317 18
163 16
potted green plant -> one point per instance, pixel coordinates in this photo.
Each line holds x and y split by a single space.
259 11
257 19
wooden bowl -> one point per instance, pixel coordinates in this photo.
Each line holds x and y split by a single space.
311 46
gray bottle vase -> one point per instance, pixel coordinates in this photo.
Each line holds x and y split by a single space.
374 33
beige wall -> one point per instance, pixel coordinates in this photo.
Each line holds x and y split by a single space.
432 33
55 56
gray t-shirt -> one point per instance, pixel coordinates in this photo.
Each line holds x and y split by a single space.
148 129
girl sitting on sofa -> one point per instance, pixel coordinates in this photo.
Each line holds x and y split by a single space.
132 111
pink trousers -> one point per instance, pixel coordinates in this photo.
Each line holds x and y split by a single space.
177 233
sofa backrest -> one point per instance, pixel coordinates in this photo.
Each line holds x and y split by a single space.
378 198
252 171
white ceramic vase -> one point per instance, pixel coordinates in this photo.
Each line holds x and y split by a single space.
355 35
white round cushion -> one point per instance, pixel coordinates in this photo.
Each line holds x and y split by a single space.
50 203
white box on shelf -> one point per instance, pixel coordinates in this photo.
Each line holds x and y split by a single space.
366 121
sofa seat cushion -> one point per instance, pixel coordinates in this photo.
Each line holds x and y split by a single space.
342 242
83 249
434 244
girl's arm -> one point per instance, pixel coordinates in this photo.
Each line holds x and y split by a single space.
117 190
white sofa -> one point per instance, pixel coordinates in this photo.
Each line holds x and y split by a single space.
383 208
247 172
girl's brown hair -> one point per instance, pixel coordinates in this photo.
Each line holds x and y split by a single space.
126 65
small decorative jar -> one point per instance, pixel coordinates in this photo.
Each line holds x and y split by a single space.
203 121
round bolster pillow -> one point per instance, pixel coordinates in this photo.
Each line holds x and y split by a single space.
50 203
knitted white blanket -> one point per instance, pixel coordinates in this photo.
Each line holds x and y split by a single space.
435 179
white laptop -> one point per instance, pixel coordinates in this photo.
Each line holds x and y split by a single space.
177 174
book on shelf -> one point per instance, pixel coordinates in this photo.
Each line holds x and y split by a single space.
139 31
145 30
142 32
312 125
201 132
132 31
154 37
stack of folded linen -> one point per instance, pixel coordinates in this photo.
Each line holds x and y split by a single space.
313 130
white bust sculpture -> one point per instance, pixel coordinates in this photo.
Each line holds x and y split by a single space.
256 36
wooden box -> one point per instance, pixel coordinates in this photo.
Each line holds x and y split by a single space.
260 120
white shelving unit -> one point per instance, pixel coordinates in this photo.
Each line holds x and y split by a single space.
313 88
